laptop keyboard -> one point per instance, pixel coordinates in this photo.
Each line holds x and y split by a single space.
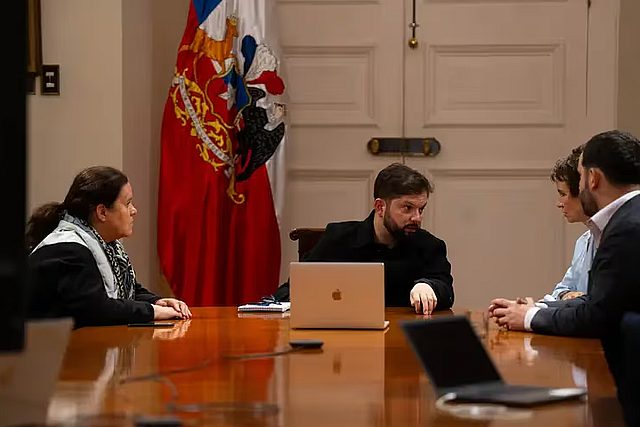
506 393
520 391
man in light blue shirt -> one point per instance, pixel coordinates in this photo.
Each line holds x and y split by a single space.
567 179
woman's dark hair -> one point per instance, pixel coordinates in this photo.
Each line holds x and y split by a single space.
566 170
97 185
399 180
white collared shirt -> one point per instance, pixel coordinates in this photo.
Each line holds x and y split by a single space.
596 225
599 221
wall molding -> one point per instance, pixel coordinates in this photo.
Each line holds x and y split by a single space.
359 60
543 109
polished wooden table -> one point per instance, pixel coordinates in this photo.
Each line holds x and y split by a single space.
359 378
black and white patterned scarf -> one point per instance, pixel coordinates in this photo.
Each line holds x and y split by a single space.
121 267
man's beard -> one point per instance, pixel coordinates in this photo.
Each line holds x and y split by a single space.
399 233
588 202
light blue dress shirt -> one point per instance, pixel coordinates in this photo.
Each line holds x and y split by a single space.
577 276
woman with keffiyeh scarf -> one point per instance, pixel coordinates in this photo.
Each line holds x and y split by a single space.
79 268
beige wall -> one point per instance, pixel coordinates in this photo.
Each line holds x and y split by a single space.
116 60
136 127
82 126
629 67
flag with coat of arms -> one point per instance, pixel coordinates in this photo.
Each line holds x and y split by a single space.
222 151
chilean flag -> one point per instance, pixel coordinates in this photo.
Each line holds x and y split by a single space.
222 130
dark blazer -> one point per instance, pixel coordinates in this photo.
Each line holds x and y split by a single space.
64 280
614 283
418 258
622 350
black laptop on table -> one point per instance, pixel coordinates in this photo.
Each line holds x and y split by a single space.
456 362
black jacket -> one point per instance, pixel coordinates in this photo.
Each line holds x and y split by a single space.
421 257
614 283
64 280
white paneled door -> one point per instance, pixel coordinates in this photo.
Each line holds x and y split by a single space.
501 84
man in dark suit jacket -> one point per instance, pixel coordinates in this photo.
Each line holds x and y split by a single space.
417 271
609 186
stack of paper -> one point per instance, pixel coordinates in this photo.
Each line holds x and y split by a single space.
274 306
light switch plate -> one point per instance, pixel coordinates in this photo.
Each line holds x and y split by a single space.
50 80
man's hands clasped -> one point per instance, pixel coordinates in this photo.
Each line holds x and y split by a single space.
510 314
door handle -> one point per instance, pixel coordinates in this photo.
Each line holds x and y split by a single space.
413 41
406 146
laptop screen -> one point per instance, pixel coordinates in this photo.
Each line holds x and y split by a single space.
337 295
450 351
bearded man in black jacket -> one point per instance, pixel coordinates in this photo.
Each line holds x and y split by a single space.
417 272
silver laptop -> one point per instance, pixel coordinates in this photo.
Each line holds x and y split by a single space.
329 295
28 378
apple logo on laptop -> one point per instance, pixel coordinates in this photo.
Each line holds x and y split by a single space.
336 295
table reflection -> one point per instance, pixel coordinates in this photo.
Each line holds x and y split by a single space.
360 378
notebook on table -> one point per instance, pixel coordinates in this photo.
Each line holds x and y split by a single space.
329 295
456 362
279 307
